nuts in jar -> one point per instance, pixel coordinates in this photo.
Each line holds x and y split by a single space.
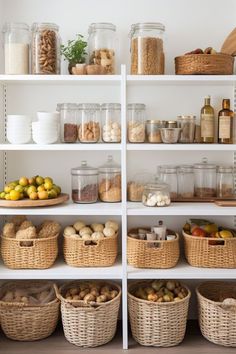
104 57
110 182
70 133
156 195
89 130
136 122
153 133
136 186
111 130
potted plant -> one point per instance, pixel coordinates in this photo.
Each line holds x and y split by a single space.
75 53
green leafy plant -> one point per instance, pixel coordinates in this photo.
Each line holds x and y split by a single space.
75 50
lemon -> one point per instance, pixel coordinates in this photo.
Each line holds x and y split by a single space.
48 179
8 188
31 189
39 180
7 196
2 195
225 234
52 194
15 195
19 188
48 185
43 195
33 195
40 188
23 181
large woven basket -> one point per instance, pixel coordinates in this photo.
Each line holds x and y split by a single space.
38 254
217 322
204 64
152 254
160 324
28 323
101 253
87 326
204 252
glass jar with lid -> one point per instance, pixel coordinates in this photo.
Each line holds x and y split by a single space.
205 179
89 117
136 186
147 53
136 113
84 184
102 48
185 181
225 182
156 195
187 125
110 181
69 122
111 119
168 174
153 132
16 48
45 49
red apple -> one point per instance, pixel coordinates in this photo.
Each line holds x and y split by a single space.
199 232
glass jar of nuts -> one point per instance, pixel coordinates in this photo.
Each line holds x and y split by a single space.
111 119
84 184
110 181
69 122
156 195
89 117
136 122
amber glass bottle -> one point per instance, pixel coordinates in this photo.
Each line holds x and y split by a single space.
207 122
225 123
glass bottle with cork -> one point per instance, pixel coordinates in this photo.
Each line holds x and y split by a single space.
207 122
225 123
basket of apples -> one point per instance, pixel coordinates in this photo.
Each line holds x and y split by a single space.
209 245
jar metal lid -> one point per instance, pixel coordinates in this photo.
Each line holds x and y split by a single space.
44 25
110 166
84 170
110 106
136 106
204 166
101 25
15 26
185 168
225 169
147 26
89 106
67 105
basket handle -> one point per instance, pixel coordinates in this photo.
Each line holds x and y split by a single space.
30 244
157 244
94 243
218 243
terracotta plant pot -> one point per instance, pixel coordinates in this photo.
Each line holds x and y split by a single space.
77 69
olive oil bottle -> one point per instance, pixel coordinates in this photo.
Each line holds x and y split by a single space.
225 123
207 122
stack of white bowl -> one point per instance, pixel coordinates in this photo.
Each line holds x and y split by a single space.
46 129
18 129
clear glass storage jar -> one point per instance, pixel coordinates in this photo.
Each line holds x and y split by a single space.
153 133
225 182
45 49
89 117
156 195
111 118
84 184
187 125
136 186
102 47
136 113
147 53
69 122
205 179
185 181
110 181
168 174
16 48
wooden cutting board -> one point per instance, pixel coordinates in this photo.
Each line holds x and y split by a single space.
226 203
28 203
229 45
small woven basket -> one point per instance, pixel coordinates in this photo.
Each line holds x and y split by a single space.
39 253
204 64
28 323
152 254
101 253
217 320
208 253
159 324
85 325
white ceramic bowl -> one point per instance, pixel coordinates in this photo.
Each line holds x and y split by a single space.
15 118
19 139
44 116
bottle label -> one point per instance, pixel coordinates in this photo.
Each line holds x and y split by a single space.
207 126
224 127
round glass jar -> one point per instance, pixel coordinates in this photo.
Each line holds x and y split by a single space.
111 127
147 53
185 181
171 124
153 132
225 182
69 122
136 186
84 184
187 125
16 48
89 117
102 47
205 179
136 113
110 182
45 49
156 195
168 174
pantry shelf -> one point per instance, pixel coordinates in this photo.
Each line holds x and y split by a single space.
181 147
60 147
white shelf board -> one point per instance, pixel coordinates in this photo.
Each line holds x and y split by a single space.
60 270
180 209
182 271
68 208
181 147
60 147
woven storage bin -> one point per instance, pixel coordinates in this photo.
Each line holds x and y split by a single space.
217 324
201 252
28 323
204 64
40 254
142 254
159 324
101 254
87 326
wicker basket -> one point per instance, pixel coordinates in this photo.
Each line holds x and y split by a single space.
217 322
159 324
202 252
101 253
204 64
28 323
87 326
152 254
39 254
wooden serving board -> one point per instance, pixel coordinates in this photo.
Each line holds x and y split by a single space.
28 203
226 203
229 45
202 200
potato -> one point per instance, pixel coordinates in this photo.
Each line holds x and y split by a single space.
109 232
112 224
97 227
152 297
69 230
101 298
78 225
89 298
85 230
157 284
170 285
